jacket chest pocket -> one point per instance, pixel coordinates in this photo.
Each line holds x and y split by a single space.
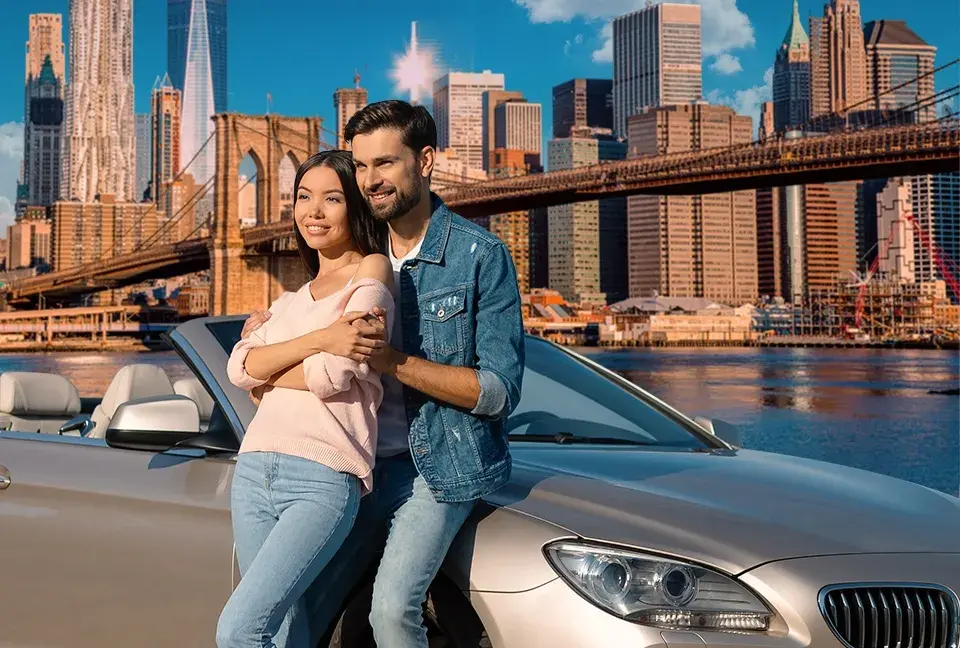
443 315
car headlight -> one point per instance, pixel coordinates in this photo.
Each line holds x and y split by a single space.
657 591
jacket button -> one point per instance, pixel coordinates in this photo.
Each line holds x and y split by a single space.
440 313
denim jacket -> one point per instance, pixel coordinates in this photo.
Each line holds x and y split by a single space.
467 313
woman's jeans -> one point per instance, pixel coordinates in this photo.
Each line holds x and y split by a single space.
290 516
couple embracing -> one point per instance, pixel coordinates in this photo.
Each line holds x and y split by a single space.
383 386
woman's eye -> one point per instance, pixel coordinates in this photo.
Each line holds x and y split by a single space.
333 199
301 196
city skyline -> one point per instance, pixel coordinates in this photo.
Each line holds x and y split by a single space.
735 68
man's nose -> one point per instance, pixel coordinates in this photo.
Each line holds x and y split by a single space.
371 179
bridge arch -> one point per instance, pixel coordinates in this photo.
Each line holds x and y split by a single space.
268 139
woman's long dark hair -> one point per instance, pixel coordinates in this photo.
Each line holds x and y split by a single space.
365 230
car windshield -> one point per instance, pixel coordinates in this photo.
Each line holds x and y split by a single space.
564 397
567 401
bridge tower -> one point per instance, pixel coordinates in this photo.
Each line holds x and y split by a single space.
240 283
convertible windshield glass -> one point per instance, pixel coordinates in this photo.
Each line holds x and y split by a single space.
563 396
227 333
565 400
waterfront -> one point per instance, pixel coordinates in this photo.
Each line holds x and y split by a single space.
866 408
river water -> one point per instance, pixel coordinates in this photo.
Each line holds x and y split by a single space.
864 408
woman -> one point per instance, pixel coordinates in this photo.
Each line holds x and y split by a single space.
307 456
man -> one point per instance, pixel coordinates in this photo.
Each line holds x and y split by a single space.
451 377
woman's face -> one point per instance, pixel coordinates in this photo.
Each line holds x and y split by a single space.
320 209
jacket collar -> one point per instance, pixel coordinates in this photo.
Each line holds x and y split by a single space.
438 231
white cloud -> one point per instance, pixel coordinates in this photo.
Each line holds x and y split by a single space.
11 153
725 26
726 64
605 53
747 101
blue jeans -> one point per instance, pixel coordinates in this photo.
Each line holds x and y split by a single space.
290 515
419 531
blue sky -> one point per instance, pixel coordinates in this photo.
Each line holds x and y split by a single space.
300 51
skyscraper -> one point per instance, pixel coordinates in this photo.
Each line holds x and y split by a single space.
458 111
692 246
347 102
656 60
611 222
518 126
574 230
197 63
182 18
99 146
46 39
895 56
42 133
582 102
838 59
43 110
488 103
791 77
142 129
164 141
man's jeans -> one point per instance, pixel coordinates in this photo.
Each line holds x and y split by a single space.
290 516
420 531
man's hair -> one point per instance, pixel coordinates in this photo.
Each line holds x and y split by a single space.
415 124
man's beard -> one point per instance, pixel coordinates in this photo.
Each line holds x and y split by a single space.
405 201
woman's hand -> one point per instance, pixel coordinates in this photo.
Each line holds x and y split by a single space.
351 336
256 319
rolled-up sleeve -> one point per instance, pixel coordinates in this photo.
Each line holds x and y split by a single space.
500 335
326 374
493 394
236 369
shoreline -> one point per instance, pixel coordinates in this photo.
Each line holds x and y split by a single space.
819 343
67 346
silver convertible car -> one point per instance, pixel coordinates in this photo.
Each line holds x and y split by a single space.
626 523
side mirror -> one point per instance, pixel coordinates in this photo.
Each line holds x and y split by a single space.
77 426
722 430
155 424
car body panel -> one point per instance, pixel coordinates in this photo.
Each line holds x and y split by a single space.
730 509
499 550
103 546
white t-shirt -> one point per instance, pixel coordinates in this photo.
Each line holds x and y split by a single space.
392 427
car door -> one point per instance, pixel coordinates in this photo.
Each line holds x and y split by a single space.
102 546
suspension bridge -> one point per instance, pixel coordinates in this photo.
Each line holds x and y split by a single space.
889 144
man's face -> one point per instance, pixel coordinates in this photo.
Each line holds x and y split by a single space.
389 174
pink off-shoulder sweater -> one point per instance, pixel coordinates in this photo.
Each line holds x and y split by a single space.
335 422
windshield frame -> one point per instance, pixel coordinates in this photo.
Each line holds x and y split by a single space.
645 397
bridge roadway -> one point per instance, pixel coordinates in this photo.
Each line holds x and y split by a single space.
872 153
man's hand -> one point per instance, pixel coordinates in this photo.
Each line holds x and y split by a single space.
256 319
384 358
351 336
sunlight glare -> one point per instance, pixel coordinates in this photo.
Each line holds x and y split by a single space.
413 71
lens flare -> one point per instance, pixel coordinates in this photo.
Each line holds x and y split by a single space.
414 70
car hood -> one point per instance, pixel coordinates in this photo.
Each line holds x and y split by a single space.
732 510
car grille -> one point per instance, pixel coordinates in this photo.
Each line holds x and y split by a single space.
891 616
